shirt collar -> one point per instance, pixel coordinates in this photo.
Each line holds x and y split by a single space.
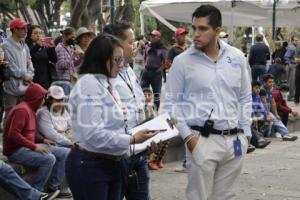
222 44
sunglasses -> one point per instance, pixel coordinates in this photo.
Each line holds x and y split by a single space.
200 28
119 60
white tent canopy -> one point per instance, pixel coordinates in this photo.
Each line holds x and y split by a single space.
243 13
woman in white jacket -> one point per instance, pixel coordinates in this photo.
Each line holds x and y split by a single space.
53 120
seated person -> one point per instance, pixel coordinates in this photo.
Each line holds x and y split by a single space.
53 120
11 182
280 95
270 107
259 114
277 70
22 145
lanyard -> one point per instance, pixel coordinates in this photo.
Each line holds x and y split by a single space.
130 86
119 103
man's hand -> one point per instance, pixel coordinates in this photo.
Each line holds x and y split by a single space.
192 143
49 142
40 149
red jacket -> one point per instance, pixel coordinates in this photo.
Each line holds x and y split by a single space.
282 107
20 124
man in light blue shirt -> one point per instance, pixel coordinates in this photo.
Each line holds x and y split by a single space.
131 94
209 92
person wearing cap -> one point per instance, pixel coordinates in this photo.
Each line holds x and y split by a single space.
17 55
258 56
155 60
280 96
179 46
22 145
53 120
224 36
43 56
66 59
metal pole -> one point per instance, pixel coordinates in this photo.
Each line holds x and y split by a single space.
274 20
112 11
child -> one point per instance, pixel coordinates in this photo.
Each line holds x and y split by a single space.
155 159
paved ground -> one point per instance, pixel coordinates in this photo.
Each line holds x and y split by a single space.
268 174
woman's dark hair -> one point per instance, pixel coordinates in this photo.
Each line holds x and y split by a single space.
28 39
98 53
214 14
48 103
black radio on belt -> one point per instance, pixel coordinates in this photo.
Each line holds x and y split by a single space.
208 125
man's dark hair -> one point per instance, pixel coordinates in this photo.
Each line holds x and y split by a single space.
267 77
140 37
259 37
262 93
278 60
118 29
284 87
214 14
98 53
256 83
285 44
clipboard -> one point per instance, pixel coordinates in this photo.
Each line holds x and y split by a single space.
160 122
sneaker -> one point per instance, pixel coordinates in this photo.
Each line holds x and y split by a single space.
50 196
64 195
263 144
251 148
152 166
180 170
278 135
289 138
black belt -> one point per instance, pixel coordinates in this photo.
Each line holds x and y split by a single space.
233 131
100 155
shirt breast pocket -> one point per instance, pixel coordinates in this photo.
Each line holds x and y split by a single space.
234 75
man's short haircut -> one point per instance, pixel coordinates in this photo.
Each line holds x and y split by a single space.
118 29
259 37
277 60
266 77
140 37
68 31
262 93
284 87
214 14
256 83
285 44
147 90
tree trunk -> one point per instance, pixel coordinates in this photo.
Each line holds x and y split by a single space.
77 13
94 11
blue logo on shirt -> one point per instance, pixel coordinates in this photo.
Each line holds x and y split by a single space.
88 99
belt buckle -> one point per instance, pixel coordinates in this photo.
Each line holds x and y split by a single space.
225 132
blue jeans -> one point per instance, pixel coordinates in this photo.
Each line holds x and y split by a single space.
258 71
140 165
278 126
91 177
51 166
153 78
14 184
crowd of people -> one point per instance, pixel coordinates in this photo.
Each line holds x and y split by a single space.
70 105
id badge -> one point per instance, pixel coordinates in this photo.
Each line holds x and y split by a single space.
237 147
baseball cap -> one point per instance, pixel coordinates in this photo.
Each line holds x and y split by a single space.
155 33
17 23
180 31
223 34
56 92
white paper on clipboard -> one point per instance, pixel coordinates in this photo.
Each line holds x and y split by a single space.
160 122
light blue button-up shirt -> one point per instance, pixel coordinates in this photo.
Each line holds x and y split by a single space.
196 85
131 94
97 119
